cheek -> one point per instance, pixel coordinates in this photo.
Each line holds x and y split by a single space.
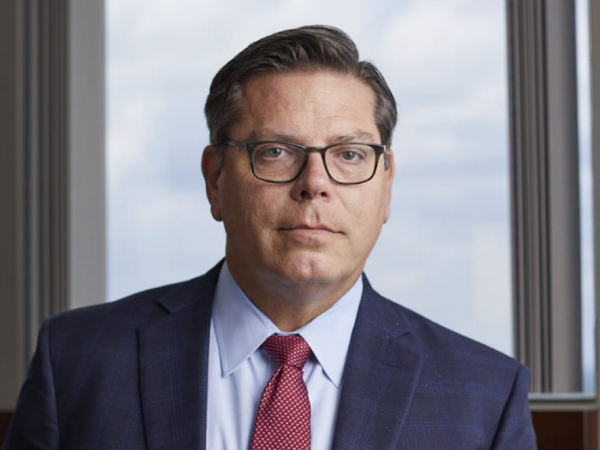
364 205
370 209
249 207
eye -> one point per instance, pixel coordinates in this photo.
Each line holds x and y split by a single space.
273 152
349 155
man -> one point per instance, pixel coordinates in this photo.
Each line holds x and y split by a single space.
284 345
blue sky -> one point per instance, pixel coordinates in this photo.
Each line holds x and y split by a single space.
445 252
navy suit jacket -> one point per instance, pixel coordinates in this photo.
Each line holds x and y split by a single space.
133 375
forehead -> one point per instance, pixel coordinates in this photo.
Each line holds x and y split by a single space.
307 105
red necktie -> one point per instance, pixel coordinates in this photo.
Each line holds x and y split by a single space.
283 419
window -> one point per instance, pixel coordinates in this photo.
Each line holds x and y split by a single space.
133 129
588 309
445 251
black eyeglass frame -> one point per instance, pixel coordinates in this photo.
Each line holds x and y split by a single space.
250 146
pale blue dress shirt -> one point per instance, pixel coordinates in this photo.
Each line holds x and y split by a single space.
239 369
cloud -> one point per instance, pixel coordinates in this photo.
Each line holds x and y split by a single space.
445 62
458 276
159 235
128 136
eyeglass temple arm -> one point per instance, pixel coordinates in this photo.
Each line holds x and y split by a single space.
235 143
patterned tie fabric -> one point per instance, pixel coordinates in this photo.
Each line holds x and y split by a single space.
283 419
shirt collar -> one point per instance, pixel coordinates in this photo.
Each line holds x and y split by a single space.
241 328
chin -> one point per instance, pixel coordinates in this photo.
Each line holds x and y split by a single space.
309 272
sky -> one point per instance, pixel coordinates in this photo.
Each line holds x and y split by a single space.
445 252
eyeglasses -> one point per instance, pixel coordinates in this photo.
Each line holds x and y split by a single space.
282 162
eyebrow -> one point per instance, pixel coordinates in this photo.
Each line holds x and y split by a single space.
268 135
357 136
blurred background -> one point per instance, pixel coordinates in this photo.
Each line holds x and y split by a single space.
491 234
446 249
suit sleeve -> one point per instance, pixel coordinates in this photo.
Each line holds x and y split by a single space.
515 429
35 425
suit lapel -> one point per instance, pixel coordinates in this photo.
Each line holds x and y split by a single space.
380 377
173 354
381 374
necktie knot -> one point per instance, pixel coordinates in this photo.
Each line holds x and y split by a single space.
289 350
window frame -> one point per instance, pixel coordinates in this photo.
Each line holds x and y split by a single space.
84 232
53 254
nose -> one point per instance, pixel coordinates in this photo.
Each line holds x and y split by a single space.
314 181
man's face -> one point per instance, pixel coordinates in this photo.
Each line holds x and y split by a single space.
310 232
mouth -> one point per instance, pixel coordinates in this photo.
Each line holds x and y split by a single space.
321 228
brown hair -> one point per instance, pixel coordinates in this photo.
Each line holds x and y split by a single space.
309 48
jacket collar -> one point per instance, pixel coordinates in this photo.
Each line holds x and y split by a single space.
173 358
381 374
380 378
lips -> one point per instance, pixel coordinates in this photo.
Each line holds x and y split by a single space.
307 227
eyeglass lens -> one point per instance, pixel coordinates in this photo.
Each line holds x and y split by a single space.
346 163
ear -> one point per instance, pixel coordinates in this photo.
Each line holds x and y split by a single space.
212 172
389 178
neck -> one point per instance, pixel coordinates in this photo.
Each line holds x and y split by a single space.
290 305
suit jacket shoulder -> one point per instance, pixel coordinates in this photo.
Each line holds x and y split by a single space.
420 385
131 371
